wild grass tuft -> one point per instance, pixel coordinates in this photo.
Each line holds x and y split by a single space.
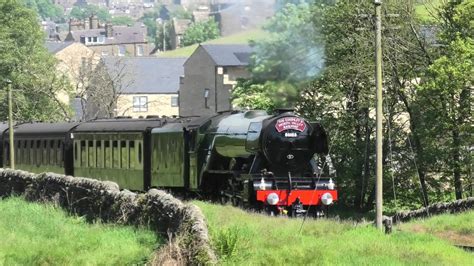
37 234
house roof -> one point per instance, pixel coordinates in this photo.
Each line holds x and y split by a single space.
229 54
147 75
121 34
55 47
181 25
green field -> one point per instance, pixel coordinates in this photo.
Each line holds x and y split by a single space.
239 38
426 9
242 238
37 234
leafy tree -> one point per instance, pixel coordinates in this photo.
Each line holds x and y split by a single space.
83 12
284 61
150 20
200 32
29 66
46 9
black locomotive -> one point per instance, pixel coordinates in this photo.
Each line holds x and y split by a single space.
248 158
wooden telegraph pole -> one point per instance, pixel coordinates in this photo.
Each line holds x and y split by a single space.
10 124
378 86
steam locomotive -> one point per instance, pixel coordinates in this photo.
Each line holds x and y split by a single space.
248 158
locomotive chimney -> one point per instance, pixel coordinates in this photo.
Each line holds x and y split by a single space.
280 111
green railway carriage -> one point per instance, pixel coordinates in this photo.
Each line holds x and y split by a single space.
3 129
115 150
40 147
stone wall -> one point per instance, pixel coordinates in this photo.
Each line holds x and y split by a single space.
434 209
98 200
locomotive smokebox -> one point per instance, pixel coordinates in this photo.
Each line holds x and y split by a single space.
289 142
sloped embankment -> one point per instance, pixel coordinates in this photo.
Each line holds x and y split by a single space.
95 199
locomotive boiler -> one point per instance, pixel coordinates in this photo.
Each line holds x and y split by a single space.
248 158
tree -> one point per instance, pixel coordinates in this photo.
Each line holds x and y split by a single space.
46 9
104 84
282 62
27 63
83 12
200 32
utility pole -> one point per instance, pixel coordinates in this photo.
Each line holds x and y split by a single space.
10 124
164 36
378 86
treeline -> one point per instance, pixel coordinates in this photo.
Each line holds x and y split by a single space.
320 59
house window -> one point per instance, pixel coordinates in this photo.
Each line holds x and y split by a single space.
174 101
140 103
94 39
206 97
139 50
121 50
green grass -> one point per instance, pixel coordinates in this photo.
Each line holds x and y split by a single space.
36 234
456 228
425 9
239 38
242 238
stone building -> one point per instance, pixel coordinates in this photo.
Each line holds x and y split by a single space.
210 74
178 28
109 40
145 86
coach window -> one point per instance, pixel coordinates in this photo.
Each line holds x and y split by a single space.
52 152
26 152
107 154
83 153
132 153
76 158
59 158
124 154
140 153
38 152
45 152
17 153
99 154
32 151
115 154
90 153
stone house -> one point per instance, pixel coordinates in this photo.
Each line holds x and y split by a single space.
178 28
109 40
210 74
73 59
145 86
236 16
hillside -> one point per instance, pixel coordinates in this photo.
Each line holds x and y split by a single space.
242 238
239 38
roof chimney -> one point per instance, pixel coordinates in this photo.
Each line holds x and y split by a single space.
109 32
94 22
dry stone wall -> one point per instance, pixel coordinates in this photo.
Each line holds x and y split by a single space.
93 199
434 209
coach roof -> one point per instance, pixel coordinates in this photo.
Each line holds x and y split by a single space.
35 129
120 124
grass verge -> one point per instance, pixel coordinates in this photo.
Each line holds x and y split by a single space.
37 234
456 228
242 238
